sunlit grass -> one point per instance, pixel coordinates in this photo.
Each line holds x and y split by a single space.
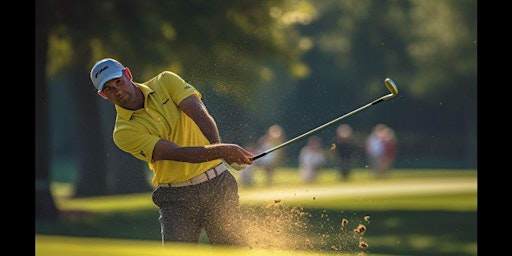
411 211
288 181
108 203
285 177
67 246
456 202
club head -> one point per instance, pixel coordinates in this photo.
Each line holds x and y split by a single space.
390 84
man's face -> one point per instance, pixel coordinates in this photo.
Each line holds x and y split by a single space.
119 91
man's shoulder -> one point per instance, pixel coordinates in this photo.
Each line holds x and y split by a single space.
168 83
164 79
168 75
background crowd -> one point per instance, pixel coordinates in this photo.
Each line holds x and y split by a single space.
345 151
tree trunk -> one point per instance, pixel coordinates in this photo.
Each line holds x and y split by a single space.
89 136
45 206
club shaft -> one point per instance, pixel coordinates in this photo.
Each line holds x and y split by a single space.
321 127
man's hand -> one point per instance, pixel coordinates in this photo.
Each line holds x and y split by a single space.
238 166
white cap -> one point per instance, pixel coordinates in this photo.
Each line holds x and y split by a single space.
105 70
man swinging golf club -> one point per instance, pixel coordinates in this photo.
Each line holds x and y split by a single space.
164 122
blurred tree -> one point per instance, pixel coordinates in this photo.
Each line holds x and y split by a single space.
214 46
443 50
244 55
427 47
65 35
44 205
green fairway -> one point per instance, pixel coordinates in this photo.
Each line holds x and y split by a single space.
412 212
66 246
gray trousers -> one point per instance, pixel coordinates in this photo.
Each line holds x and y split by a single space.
212 205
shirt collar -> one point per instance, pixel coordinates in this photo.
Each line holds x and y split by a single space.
126 114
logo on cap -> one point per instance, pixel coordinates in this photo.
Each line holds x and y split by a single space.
104 71
101 70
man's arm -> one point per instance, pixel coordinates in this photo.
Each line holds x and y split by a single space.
196 110
166 150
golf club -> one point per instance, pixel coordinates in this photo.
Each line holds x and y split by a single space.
390 84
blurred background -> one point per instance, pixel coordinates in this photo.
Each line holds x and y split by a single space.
295 63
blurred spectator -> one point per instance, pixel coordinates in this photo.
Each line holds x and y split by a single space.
311 158
345 149
380 147
274 137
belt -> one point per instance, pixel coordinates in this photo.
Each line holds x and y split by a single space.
208 175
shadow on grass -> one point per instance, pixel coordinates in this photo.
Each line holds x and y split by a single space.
395 232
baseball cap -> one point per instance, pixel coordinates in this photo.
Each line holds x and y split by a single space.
105 70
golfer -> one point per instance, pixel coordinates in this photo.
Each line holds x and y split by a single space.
164 123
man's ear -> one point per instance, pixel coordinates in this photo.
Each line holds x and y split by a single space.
128 73
102 95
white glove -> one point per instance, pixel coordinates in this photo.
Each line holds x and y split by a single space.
238 166
235 166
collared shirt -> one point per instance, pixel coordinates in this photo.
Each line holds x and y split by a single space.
137 132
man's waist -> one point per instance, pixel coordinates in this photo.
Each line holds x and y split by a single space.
205 176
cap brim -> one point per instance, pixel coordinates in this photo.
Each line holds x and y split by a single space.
117 74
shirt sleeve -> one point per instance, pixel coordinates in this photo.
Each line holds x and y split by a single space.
177 88
136 141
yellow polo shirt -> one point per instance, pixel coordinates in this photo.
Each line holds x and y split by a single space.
137 132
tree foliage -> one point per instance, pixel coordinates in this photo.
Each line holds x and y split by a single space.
299 63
